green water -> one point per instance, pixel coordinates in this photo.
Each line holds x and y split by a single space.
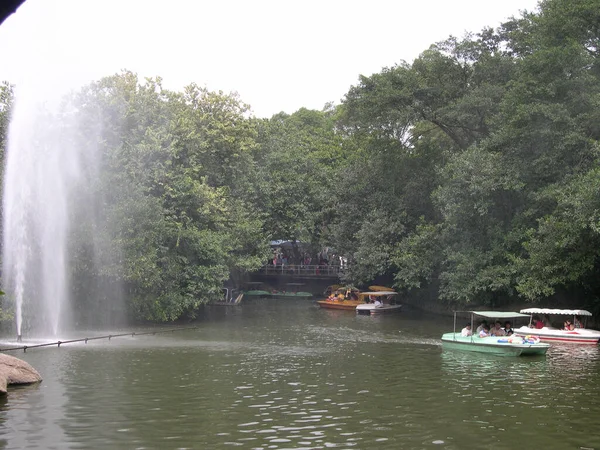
285 374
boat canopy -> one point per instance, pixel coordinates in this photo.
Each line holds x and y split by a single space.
379 293
380 288
496 314
566 312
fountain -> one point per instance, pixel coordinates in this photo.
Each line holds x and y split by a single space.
38 176
43 185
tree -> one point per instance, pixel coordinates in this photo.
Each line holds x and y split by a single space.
171 228
518 108
297 162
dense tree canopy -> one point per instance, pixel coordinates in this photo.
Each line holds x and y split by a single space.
514 166
470 174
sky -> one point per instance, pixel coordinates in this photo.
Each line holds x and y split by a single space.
278 55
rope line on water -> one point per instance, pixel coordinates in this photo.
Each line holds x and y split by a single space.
109 337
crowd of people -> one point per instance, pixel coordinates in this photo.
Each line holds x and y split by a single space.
545 322
485 330
286 257
496 329
538 323
343 294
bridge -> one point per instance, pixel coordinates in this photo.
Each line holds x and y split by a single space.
296 277
302 271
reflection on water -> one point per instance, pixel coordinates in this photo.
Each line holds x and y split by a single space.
285 374
546 398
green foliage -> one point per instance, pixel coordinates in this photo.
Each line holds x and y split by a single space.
172 229
562 249
375 243
417 257
5 315
471 172
513 187
6 102
297 162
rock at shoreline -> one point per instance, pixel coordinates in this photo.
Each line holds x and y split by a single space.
16 371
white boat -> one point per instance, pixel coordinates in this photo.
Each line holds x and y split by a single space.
551 334
379 302
504 345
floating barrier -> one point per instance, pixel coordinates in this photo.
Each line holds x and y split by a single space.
109 337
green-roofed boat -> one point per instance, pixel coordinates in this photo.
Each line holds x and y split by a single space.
292 292
505 345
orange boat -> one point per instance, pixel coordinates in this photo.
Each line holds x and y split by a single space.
342 298
339 304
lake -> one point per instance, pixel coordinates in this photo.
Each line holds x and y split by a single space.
277 374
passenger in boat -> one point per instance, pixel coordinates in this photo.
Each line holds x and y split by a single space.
546 321
497 330
481 326
508 331
577 322
466 331
537 323
376 302
569 326
485 332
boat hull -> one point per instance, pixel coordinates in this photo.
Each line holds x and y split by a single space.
257 294
304 295
349 305
491 345
369 309
578 336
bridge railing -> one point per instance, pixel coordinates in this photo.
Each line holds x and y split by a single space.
301 269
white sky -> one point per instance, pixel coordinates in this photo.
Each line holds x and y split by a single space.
279 55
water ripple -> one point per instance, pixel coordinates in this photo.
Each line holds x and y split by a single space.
305 381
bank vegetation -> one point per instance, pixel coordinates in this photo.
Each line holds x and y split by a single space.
469 175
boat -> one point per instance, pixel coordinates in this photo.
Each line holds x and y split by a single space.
505 345
379 302
380 288
342 298
551 334
292 292
286 294
252 290
257 293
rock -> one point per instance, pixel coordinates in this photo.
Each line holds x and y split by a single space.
16 371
